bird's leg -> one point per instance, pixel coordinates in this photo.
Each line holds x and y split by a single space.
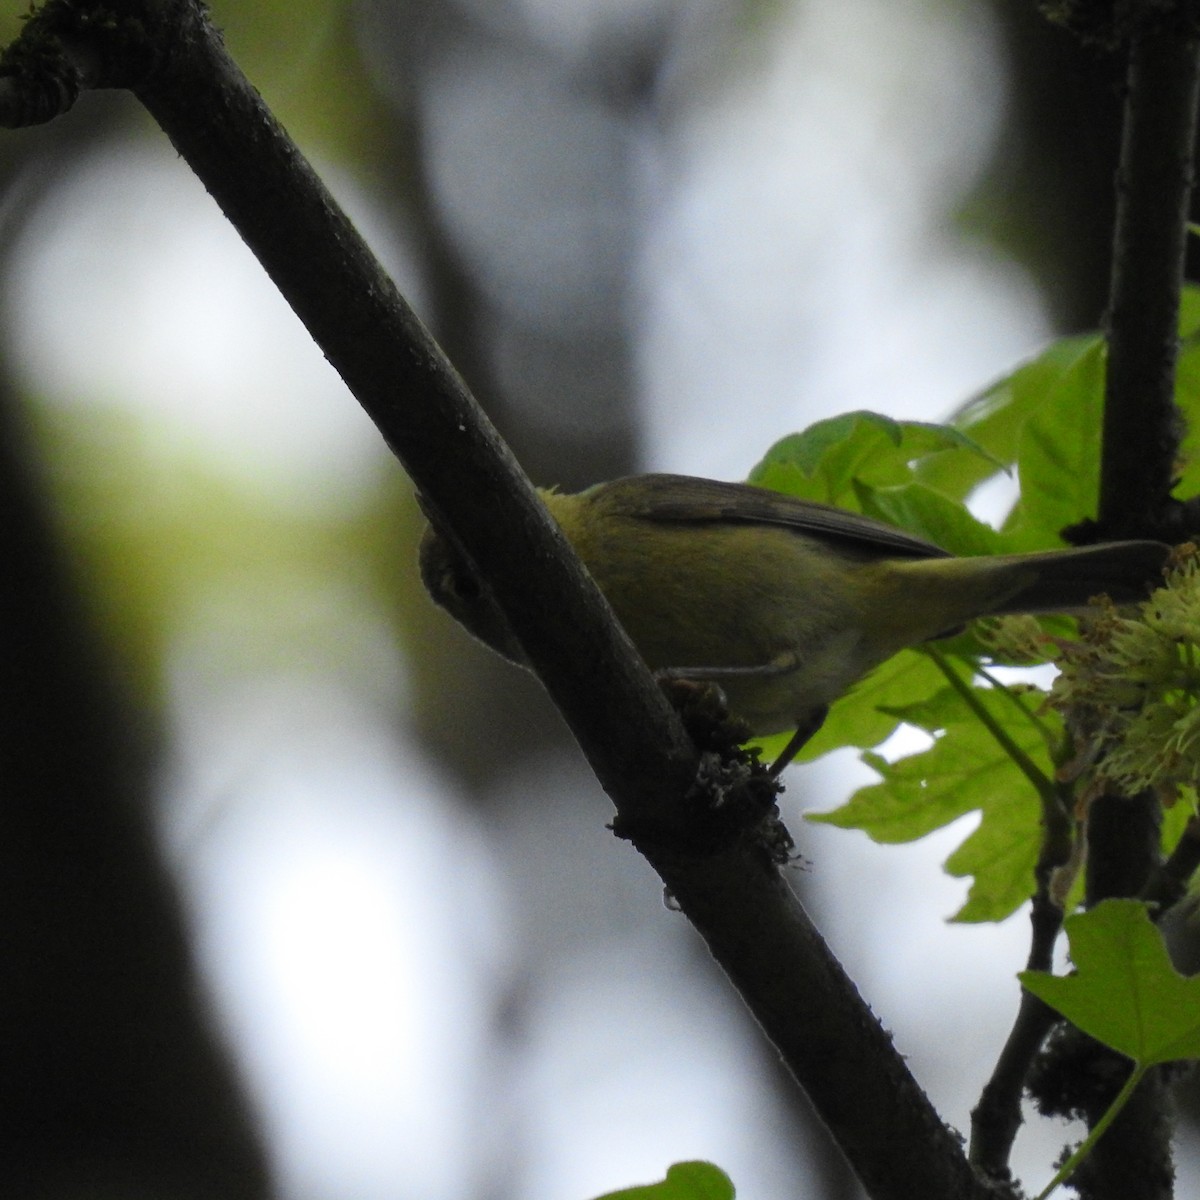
807 727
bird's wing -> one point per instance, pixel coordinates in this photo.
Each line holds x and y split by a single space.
684 498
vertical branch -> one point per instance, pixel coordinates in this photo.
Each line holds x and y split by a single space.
1142 428
112 1081
996 1119
1133 1160
1142 433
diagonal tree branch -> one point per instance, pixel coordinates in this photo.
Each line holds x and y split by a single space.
731 890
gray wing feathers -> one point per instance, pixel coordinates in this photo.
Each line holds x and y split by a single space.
685 498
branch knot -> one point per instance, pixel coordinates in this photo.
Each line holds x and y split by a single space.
71 46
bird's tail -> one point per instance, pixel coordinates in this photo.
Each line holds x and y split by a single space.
1065 580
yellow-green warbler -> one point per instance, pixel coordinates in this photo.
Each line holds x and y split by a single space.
783 603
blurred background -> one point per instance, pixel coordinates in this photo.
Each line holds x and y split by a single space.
306 895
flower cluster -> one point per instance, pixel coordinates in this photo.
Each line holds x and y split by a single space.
1017 639
1129 689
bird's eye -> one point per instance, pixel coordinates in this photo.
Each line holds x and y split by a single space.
464 586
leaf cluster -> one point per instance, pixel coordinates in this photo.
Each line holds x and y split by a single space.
1036 434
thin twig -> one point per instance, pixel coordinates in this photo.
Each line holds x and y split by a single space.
1168 883
996 1119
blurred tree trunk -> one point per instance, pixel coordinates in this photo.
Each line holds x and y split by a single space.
112 1082
1049 198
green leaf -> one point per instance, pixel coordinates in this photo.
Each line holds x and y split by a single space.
828 459
964 770
1175 821
684 1181
862 717
995 418
1044 419
1187 393
1058 454
1189 310
930 514
1125 992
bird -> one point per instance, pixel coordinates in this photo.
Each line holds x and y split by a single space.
781 602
